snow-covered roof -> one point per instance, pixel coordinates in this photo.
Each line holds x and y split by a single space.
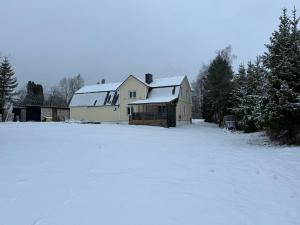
164 82
161 90
167 81
160 95
99 88
95 99
154 100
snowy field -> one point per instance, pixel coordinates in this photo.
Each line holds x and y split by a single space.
76 174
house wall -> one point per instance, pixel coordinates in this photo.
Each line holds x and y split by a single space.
112 113
95 114
184 105
131 84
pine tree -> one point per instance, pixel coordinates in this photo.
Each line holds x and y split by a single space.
216 99
282 111
8 83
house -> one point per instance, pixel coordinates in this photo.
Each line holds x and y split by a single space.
162 102
40 113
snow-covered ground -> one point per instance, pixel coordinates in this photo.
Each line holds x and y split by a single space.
85 174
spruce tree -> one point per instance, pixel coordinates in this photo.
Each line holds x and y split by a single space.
249 95
8 83
238 95
252 101
216 99
282 111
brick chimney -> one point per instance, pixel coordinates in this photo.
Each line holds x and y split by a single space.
148 78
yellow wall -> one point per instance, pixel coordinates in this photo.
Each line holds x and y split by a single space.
184 105
131 84
95 114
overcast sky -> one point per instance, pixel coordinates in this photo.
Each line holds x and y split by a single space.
48 40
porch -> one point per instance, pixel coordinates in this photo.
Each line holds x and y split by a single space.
154 114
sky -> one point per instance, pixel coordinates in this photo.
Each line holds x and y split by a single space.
48 40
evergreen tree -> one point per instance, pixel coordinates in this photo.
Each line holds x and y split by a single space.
217 86
35 94
253 99
8 83
249 95
238 94
282 111
295 58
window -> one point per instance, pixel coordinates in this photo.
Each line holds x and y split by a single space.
161 109
130 110
132 94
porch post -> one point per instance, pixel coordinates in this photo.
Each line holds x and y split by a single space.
167 110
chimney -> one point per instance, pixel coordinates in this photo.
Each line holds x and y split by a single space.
103 81
148 78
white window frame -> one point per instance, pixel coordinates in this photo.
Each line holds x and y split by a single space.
132 94
130 109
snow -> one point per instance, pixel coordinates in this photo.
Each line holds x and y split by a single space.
167 81
163 99
160 95
164 82
166 91
89 99
98 88
60 173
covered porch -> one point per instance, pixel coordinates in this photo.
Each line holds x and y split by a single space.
155 114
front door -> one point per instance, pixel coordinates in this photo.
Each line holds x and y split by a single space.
171 108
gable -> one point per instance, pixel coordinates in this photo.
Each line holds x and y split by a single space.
131 80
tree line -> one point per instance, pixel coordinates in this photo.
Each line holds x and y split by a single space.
262 95
34 94
57 96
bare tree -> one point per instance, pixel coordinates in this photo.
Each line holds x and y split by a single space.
55 98
61 95
68 86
